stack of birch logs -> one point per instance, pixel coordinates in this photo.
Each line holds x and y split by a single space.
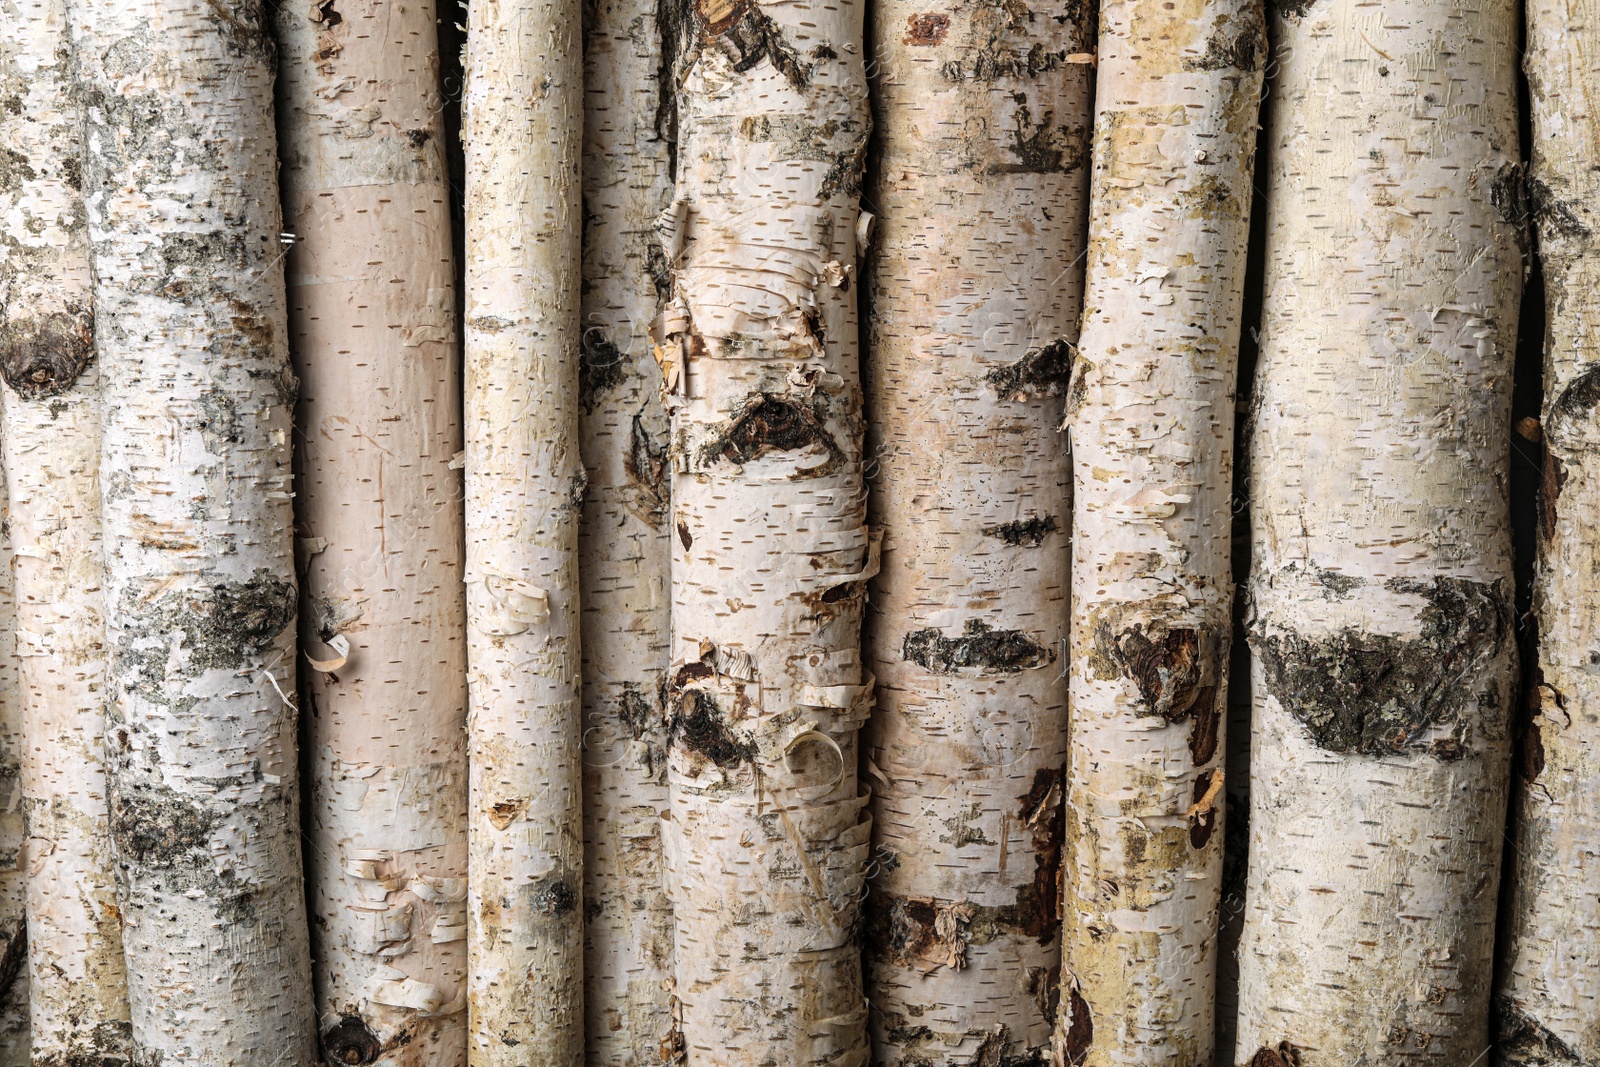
706 532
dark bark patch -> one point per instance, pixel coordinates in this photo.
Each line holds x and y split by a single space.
928 29
745 34
350 1040
15 955
1571 419
979 647
1206 718
223 627
1508 195
601 367
845 174
42 358
1170 667
685 538
646 465
1080 1030
418 137
1284 1055
1243 51
771 424
700 726
160 830
1374 694
1024 533
1042 147
1522 1039
14 170
554 897
1042 372
1293 10
1552 214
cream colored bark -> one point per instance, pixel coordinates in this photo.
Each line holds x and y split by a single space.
1383 654
372 315
768 833
975 289
524 498
1152 590
1549 989
625 553
50 433
15 1043
181 189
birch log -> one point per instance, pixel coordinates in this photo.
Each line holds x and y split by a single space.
1549 989
975 290
524 499
628 132
181 189
1152 590
15 1029
50 433
768 833
372 315
1383 652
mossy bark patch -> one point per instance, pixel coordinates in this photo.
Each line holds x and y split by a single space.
1377 694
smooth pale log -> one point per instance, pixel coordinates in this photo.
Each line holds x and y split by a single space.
629 126
525 482
371 285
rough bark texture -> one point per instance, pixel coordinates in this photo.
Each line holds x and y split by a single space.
372 314
524 499
1381 632
1549 995
629 130
14 992
1152 443
975 290
181 189
78 992
768 833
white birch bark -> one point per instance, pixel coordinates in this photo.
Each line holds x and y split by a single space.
627 182
975 289
1383 654
372 314
1549 988
523 131
15 1029
768 832
1177 101
50 432
181 191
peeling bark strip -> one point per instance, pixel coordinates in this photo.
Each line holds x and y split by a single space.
767 838
181 189
975 290
1382 659
77 993
372 321
1151 419
524 477
627 183
1548 986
